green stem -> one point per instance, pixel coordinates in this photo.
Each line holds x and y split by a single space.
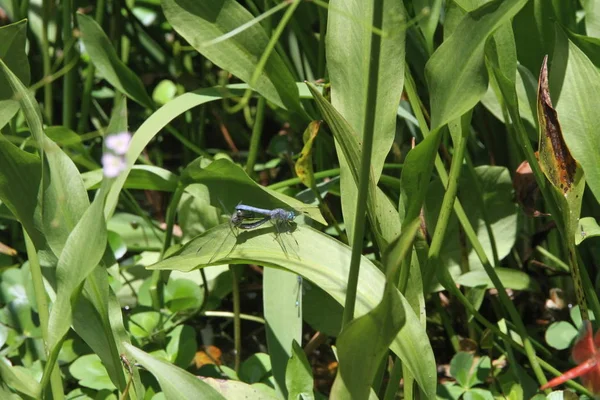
257 129
365 166
237 326
227 314
433 258
170 218
69 79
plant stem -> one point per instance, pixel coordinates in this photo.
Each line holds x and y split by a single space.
237 325
257 129
365 166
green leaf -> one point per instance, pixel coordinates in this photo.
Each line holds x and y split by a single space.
526 86
324 262
510 278
107 62
12 51
183 294
90 372
175 383
19 379
256 368
20 177
281 291
182 345
456 73
298 375
592 17
200 22
232 389
561 335
82 252
460 368
60 212
348 67
137 233
364 342
143 324
575 84
588 227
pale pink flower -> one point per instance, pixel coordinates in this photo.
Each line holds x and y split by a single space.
113 165
118 143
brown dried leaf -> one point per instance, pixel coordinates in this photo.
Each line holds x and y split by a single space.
554 156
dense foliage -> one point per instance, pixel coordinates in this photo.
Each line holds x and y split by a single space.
299 199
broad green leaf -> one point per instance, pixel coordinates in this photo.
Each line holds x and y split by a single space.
176 383
12 51
108 63
82 252
90 372
588 227
416 173
526 86
256 368
348 66
589 45
20 177
59 211
17 378
380 210
323 261
592 17
232 389
298 375
137 233
575 84
90 322
364 342
183 294
282 297
456 74
182 345
561 335
510 278
460 368
199 22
